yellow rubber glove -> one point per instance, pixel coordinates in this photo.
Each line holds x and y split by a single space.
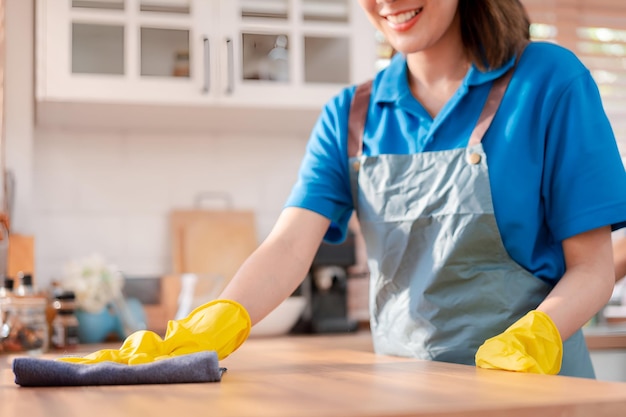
531 344
220 325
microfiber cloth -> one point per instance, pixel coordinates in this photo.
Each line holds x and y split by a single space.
195 367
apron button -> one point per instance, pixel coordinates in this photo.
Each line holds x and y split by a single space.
356 165
474 158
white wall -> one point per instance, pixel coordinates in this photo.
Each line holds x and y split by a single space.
111 192
19 108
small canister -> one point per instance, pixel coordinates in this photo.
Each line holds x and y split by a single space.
65 323
24 327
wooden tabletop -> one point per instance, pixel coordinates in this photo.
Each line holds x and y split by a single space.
330 376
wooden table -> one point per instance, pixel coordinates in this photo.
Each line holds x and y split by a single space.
330 376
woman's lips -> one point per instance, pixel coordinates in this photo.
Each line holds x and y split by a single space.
404 20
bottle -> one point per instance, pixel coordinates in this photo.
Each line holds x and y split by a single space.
65 323
181 64
4 245
25 285
6 292
278 60
6 289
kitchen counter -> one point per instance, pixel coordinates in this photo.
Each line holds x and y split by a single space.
330 376
605 336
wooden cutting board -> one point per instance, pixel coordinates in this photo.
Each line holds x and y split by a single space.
211 241
21 256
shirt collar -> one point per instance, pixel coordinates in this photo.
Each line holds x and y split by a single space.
393 82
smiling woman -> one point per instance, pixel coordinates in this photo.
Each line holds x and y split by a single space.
459 160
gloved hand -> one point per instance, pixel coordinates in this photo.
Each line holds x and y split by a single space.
531 344
220 325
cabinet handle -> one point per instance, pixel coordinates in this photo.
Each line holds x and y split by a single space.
230 66
207 65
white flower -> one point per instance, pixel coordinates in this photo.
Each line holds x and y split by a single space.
94 282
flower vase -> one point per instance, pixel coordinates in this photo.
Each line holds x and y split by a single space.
117 320
98 327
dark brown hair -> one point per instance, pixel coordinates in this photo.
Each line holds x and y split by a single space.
493 30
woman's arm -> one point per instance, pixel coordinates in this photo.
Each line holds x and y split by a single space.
279 264
587 283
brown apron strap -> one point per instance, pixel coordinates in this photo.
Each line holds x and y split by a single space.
493 102
358 115
491 106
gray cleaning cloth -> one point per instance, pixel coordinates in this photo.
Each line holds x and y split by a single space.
195 367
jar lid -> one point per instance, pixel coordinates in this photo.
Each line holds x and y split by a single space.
66 296
8 283
26 279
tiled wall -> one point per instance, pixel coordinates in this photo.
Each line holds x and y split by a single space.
111 193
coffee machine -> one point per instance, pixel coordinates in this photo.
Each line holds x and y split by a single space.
326 290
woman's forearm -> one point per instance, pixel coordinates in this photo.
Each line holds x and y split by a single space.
619 258
587 283
279 264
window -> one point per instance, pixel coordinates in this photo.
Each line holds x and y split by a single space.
595 30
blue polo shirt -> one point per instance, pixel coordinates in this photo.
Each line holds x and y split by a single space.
554 167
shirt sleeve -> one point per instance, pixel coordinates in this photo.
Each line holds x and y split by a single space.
323 183
584 184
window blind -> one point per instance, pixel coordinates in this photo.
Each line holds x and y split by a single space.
595 30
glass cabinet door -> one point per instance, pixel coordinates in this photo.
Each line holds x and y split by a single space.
265 57
326 57
165 51
98 47
141 49
98 4
288 46
165 6
102 31
263 54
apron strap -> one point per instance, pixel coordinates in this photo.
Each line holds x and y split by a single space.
493 102
491 106
356 120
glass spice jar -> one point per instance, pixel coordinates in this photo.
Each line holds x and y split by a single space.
65 324
24 327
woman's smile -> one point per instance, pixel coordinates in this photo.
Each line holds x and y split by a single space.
414 25
404 20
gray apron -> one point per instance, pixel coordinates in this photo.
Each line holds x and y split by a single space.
442 281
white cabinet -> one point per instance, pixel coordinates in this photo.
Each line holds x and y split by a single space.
609 364
232 53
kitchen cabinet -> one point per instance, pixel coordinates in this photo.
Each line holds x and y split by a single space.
607 345
226 53
609 364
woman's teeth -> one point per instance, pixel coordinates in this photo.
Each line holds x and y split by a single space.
400 18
